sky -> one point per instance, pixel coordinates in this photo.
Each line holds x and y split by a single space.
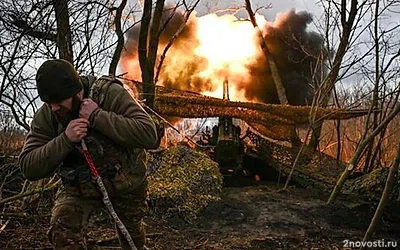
270 13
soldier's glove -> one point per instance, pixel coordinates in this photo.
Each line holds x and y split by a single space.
160 127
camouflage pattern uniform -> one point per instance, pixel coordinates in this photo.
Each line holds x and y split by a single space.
120 129
74 205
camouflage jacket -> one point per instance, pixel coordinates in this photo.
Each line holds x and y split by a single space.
120 127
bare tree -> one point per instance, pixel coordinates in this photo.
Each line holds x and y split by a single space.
120 41
31 31
148 46
152 25
346 31
382 74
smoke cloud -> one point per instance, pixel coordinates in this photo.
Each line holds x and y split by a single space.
297 53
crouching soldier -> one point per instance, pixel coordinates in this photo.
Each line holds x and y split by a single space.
116 131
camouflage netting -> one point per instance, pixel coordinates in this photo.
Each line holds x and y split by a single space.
182 182
313 170
271 120
318 170
372 185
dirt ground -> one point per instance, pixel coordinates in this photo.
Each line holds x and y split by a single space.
256 216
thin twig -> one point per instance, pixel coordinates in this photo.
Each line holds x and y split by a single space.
296 160
4 226
197 246
172 40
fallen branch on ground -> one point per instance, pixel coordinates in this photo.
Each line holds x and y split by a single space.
31 192
115 238
4 226
22 215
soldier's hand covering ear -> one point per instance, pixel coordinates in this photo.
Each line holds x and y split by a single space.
77 129
87 108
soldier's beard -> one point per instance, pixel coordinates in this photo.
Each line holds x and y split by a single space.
65 115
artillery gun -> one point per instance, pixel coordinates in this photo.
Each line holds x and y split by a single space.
227 148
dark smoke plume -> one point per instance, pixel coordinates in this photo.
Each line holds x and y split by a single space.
298 53
299 56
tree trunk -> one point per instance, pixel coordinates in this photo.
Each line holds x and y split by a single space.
272 65
315 135
329 83
154 37
64 41
120 43
142 47
369 158
295 140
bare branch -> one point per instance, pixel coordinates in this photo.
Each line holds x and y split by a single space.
181 28
120 35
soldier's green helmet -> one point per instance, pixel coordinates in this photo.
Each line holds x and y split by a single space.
57 80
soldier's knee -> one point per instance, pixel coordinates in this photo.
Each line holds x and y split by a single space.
66 231
66 239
